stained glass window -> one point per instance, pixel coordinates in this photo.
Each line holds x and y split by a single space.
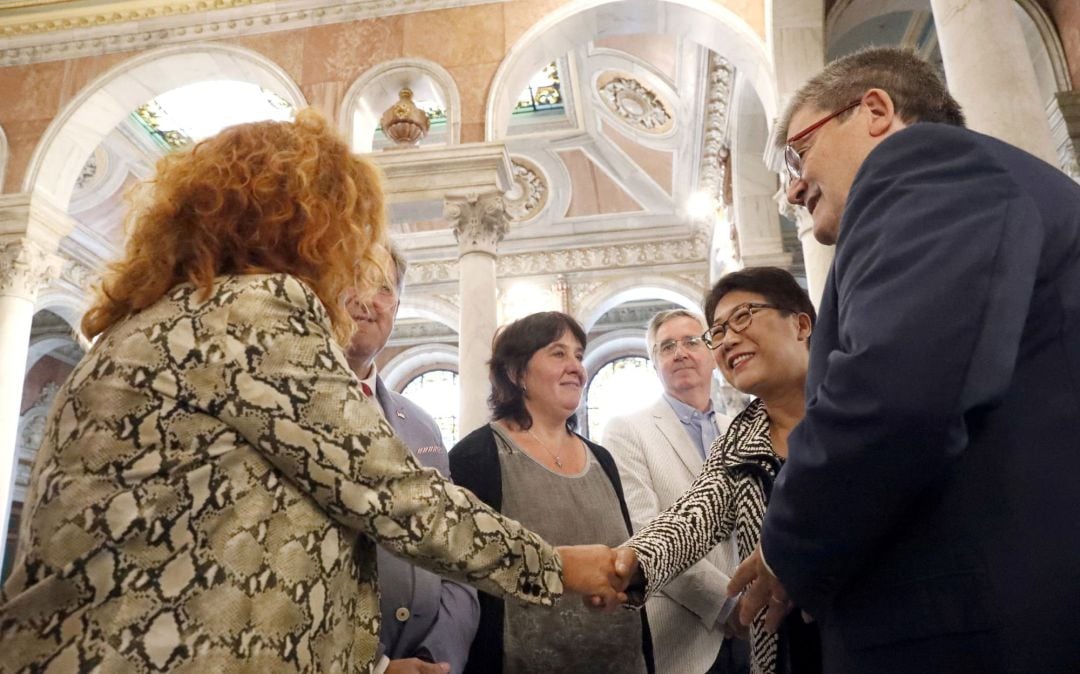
544 92
196 111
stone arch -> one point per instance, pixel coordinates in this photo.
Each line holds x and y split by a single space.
91 115
678 291
412 362
703 21
355 101
68 303
1051 42
612 345
431 308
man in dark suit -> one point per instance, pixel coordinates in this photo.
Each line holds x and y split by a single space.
428 623
927 514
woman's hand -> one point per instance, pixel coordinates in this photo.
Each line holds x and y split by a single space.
589 570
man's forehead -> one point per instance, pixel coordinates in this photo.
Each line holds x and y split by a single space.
679 324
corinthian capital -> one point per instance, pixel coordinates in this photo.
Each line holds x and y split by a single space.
479 221
26 268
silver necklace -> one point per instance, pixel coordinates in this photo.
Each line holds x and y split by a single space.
556 457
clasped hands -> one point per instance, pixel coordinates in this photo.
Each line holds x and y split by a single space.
602 574
599 573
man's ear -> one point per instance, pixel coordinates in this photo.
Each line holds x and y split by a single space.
883 117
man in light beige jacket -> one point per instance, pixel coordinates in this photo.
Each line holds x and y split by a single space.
659 451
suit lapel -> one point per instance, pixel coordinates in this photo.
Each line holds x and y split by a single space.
394 414
672 430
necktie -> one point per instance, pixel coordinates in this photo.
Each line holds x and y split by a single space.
366 389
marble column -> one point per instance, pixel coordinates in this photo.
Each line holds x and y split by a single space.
980 71
799 54
817 257
479 221
25 268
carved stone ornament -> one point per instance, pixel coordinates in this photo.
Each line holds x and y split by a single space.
479 221
78 275
25 268
715 152
529 193
403 122
30 436
624 256
62 34
634 103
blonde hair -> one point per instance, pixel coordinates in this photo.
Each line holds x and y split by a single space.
265 197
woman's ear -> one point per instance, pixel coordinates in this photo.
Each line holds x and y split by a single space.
806 327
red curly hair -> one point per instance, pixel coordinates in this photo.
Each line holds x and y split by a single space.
265 197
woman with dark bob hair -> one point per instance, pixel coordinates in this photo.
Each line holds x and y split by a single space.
530 465
760 336
213 481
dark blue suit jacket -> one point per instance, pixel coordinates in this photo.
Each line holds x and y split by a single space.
929 512
423 616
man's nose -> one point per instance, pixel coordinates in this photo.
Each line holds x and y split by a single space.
796 191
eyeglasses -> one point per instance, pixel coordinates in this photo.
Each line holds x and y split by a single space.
739 320
668 347
792 157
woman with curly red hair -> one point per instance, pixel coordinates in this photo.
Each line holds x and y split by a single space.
213 481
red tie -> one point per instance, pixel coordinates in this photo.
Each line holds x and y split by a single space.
366 388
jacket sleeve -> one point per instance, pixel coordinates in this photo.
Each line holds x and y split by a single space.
285 387
933 274
686 531
452 634
701 589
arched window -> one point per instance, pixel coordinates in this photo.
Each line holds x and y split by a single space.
437 393
621 386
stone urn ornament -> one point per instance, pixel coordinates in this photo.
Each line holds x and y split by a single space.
403 122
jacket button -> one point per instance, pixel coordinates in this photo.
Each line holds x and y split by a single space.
402 614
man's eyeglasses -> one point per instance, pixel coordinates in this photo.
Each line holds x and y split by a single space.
792 157
668 347
739 320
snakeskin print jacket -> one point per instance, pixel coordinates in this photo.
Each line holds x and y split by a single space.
727 498
195 504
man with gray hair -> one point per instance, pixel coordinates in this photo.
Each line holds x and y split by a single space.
659 451
428 623
926 516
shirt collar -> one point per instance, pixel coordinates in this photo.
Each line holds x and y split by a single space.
373 374
687 413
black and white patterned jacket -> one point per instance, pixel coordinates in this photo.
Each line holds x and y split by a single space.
728 498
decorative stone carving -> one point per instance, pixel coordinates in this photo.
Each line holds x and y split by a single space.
89 170
479 221
25 268
78 275
528 195
715 153
31 433
634 103
403 122
699 280
578 293
694 248
55 35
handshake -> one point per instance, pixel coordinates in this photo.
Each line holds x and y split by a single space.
602 575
